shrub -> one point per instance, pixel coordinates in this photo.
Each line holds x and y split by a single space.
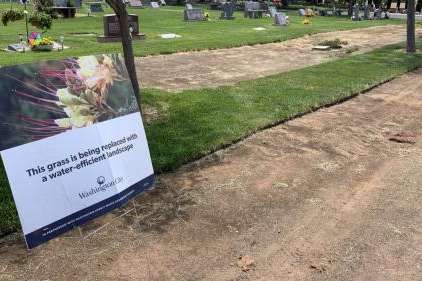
41 20
11 15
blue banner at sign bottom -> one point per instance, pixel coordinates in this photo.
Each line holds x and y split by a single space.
53 230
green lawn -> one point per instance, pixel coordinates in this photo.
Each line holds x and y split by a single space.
195 35
197 122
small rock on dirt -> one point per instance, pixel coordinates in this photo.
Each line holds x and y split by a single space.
280 185
246 263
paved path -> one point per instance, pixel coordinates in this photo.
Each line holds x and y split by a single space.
324 197
227 66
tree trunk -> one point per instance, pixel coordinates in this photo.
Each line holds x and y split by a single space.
119 8
411 36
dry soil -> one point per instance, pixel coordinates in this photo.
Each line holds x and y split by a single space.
193 70
334 195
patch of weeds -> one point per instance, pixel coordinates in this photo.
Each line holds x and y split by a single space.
334 44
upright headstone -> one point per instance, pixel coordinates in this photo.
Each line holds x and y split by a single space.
112 28
272 11
366 15
280 19
228 10
323 13
355 15
302 12
253 10
60 3
155 5
64 4
194 14
77 3
95 7
135 4
337 13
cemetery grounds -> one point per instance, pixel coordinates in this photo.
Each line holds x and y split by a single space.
311 199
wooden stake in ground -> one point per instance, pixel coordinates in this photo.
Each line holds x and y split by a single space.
119 7
411 41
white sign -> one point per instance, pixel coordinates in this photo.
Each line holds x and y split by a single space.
74 147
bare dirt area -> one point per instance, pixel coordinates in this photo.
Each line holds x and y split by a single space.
214 68
334 195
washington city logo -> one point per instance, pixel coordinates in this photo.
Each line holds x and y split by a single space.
102 186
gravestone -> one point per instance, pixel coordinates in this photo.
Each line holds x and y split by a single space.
77 3
377 14
366 12
280 19
95 7
228 10
356 16
112 28
135 4
18 47
272 11
60 3
337 13
188 6
155 5
215 6
324 13
194 14
163 3
253 10
302 12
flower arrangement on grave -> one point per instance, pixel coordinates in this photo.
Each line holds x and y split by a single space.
309 13
39 42
306 21
73 93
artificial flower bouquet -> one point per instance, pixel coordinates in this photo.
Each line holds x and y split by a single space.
38 42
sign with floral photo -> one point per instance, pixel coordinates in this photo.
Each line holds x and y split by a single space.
72 142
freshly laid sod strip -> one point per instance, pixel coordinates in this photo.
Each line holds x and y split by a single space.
80 33
196 122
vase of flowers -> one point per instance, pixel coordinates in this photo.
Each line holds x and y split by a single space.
38 42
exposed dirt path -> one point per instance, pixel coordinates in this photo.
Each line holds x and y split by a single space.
324 197
227 66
